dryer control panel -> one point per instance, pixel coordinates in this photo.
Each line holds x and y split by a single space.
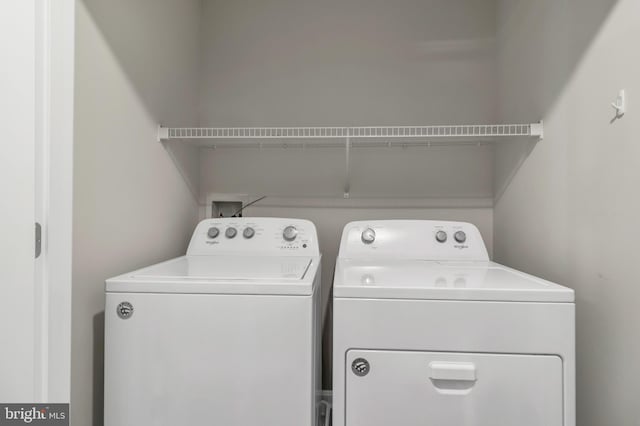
412 239
254 236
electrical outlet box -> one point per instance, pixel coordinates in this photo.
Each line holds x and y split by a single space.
226 208
225 205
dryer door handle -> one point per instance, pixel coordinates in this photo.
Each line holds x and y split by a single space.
452 371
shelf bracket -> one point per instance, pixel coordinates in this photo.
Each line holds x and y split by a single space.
537 130
163 133
347 178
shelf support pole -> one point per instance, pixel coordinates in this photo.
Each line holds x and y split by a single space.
347 179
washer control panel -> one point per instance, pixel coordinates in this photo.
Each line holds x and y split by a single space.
254 236
412 239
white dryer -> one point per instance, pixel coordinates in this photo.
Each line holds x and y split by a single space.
428 331
226 335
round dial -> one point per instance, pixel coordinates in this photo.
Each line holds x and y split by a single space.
368 236
213 232
230 232
441 236
290 233
460 236
248 232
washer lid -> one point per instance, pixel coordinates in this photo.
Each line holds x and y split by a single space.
436 280
222 274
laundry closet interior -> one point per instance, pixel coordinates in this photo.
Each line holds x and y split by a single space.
492 112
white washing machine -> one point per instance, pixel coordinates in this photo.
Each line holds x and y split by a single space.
428 331
226 335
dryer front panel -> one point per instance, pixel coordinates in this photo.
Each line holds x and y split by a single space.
452 389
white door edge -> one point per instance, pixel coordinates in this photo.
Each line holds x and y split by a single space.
55 21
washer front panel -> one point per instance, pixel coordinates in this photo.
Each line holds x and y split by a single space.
184 359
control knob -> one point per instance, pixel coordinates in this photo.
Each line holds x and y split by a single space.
290 233
460 236
230 232
248 232
368 236
213 232
441 236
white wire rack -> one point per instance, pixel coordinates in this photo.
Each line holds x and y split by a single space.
349 138
234 136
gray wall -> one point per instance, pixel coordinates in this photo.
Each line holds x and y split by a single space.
353 62
569 213
131 206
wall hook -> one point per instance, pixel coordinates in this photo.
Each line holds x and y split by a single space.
620 104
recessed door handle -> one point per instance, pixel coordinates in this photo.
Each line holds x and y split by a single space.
453 378
38 241
453 371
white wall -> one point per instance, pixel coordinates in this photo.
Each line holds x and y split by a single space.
569 213
136 66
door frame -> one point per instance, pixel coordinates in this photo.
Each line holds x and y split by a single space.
55 32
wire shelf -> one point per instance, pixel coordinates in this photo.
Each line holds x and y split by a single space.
333 143
347 138
485 132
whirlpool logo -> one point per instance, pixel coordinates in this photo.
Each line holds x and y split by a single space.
37 414
360 367
124 310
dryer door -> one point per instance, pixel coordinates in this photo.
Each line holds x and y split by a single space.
452 389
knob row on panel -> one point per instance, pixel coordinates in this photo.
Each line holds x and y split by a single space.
289 234
459 236
368 236
230 232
